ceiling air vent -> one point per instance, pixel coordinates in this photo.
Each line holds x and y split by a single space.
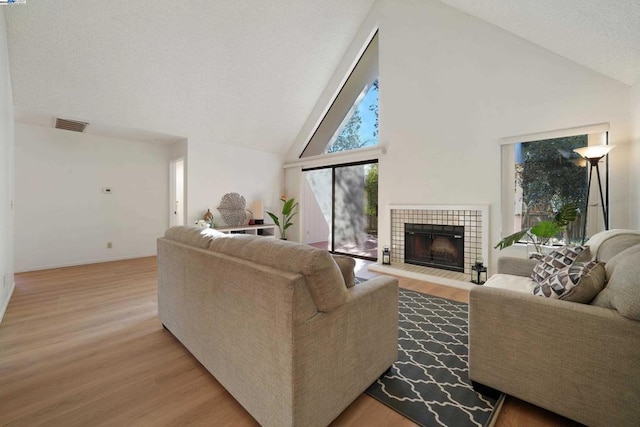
72 125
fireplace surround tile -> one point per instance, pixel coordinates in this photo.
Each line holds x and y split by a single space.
473 218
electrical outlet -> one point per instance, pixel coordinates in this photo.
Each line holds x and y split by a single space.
109 245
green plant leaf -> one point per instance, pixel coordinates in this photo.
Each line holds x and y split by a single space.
545 229
566 215
288 206
510 240
275 219
291 216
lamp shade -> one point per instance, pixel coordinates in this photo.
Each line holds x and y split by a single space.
594 151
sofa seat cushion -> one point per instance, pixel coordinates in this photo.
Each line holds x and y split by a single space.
323 277
193 235
579 282
623 289
559 258
511 282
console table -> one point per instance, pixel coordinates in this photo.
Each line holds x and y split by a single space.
266 230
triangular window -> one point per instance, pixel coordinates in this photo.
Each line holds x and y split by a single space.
352 120
360 127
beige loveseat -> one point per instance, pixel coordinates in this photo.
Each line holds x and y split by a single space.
578 360
275 322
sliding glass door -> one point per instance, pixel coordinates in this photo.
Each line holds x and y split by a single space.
343 208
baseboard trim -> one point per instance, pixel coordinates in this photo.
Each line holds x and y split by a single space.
97 261
3 309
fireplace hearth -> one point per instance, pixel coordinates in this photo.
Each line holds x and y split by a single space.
434 245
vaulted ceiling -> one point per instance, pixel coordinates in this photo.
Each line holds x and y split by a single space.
603 35
246 72
241 72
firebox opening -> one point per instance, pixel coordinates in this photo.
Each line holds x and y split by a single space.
433 245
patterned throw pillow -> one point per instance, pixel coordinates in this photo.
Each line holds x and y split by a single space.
580 282
550 264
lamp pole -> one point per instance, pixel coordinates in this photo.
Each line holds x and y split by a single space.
605 210
595 153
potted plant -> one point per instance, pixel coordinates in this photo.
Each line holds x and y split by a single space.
541 233
287 214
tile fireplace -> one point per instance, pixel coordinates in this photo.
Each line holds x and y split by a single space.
444 237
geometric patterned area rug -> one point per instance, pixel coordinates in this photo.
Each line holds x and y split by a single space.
429 383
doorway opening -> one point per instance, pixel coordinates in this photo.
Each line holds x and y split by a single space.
176 193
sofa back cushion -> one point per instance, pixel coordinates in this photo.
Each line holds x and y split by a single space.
193 235
233 244
606 244
623 289
614 261
324 279
615 245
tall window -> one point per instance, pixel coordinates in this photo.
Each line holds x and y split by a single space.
341 200
549 175
541 173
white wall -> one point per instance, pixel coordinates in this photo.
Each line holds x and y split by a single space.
178 150
6 173
451 86
634 158
62 215
216 169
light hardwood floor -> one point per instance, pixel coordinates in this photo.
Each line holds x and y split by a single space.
82 346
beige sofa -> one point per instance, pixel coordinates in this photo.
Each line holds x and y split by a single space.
275 322
578 360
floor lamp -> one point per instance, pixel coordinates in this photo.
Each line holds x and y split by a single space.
593 154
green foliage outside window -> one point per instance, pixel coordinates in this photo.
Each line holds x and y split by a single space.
371 190
552 176
350 137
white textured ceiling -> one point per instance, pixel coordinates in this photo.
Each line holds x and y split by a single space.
246 72
241 72
603 35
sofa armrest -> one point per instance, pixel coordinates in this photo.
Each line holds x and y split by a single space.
358 341
372 308
374 286
516 266
577 360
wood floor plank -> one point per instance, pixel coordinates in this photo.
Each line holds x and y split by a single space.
82 346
